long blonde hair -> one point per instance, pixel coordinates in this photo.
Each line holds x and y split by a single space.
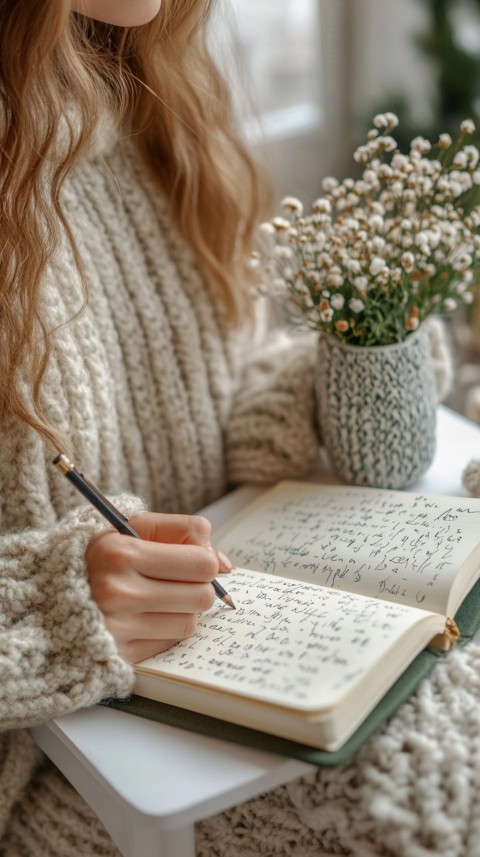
160 80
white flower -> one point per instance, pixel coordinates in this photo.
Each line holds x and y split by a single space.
421 238
388 144
361 155
449 304
380 121
280 224
352 223
392 120
325 260
376 265
467 126
353 265
425 167
465 179
443 185
449 231
370 177
376 222
362 188
329 183
291 203
464 262
337 301
460 160
372 234
378 244
335 280
322 206
361 283
384 172
434 236
472 156
266 229
356 305
408 261
399 162
420 144
444 141
282 252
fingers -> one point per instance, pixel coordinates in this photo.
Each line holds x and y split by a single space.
151 589
146 616
178 529
224 563
153 626
184 562
126 590
139 650
141 635
173 529
143 596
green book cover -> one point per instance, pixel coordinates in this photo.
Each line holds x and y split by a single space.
468 621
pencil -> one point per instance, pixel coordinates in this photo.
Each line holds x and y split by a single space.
111 513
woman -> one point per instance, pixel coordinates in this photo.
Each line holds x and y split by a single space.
127 211
128 207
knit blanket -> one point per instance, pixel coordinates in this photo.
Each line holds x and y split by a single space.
413 789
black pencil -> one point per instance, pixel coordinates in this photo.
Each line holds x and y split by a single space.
113 515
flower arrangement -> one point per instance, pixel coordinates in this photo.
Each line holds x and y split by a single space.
378 255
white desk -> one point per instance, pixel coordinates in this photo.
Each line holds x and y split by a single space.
149 783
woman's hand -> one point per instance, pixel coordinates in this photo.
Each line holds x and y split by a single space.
150 589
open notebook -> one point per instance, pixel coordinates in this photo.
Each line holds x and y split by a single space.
338 590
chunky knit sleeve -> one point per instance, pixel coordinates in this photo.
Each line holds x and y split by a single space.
55 652
272 433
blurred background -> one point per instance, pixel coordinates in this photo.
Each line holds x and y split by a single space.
312 75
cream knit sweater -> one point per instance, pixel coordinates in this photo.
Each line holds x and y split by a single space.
158 401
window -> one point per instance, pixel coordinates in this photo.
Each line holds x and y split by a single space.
296 88
279 44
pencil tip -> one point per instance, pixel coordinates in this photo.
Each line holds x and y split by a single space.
229 601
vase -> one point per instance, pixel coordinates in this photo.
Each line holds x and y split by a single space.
377 409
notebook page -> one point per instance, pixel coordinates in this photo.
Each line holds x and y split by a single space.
289 643
398 546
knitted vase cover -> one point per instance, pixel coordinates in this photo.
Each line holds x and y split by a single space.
377 410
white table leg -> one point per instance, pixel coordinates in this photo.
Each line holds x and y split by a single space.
149 841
